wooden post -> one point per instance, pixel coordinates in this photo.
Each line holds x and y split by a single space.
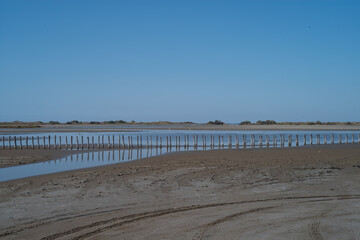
3 142
353 138
267 141
339 138
66 143
109 141
237 141
147 141
88 142
156 144
49 142
103 142
21 143
137 141
123 141
304 139
311 139
9 147
194 141
71 143
332 138
77 142
167 142
129 142
297 140
289 140
222 141
15 143
230 142
151 144
113 142
59 142
92 142
82 142
219 141
325 138
170 141
44 144
38 142
244 140
346 138
32 142
275 140
55 147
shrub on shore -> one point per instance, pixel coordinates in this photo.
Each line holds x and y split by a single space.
245 123
267 122
216 122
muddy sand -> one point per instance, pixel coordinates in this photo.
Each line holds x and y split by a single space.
289 193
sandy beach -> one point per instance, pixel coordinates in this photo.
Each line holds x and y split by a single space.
289 193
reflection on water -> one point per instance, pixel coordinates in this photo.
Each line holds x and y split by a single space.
146 147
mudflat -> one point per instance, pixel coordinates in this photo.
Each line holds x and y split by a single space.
285 193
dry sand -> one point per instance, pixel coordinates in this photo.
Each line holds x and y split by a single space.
289 193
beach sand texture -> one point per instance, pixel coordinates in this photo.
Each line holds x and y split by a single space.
288 193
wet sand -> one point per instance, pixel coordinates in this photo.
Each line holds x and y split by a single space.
288 193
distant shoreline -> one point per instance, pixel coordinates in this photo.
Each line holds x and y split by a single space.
135 127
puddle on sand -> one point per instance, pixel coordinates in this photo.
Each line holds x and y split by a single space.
82 160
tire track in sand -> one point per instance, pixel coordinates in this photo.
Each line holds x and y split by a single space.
120 221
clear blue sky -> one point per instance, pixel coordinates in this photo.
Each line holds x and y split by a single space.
180 60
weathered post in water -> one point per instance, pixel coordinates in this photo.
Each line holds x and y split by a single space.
325 138
44 144
71 143
304 139
38 142
20 143
77 142
88 143
317 139
15 143
346 138
353 138
339 138
297 140
332 138
32 142
9 143
230 142
123 141
267 141
3 142
59 142
311 139
289 140
82 142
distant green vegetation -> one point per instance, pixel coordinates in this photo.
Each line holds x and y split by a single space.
216 122
266 122
245 123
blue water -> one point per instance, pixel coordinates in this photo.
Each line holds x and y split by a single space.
107 137
93 159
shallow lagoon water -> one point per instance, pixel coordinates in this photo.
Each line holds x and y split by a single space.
99 158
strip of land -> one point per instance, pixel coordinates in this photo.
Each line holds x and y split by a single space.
139 127
287 193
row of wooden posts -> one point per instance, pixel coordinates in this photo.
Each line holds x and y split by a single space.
119 141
